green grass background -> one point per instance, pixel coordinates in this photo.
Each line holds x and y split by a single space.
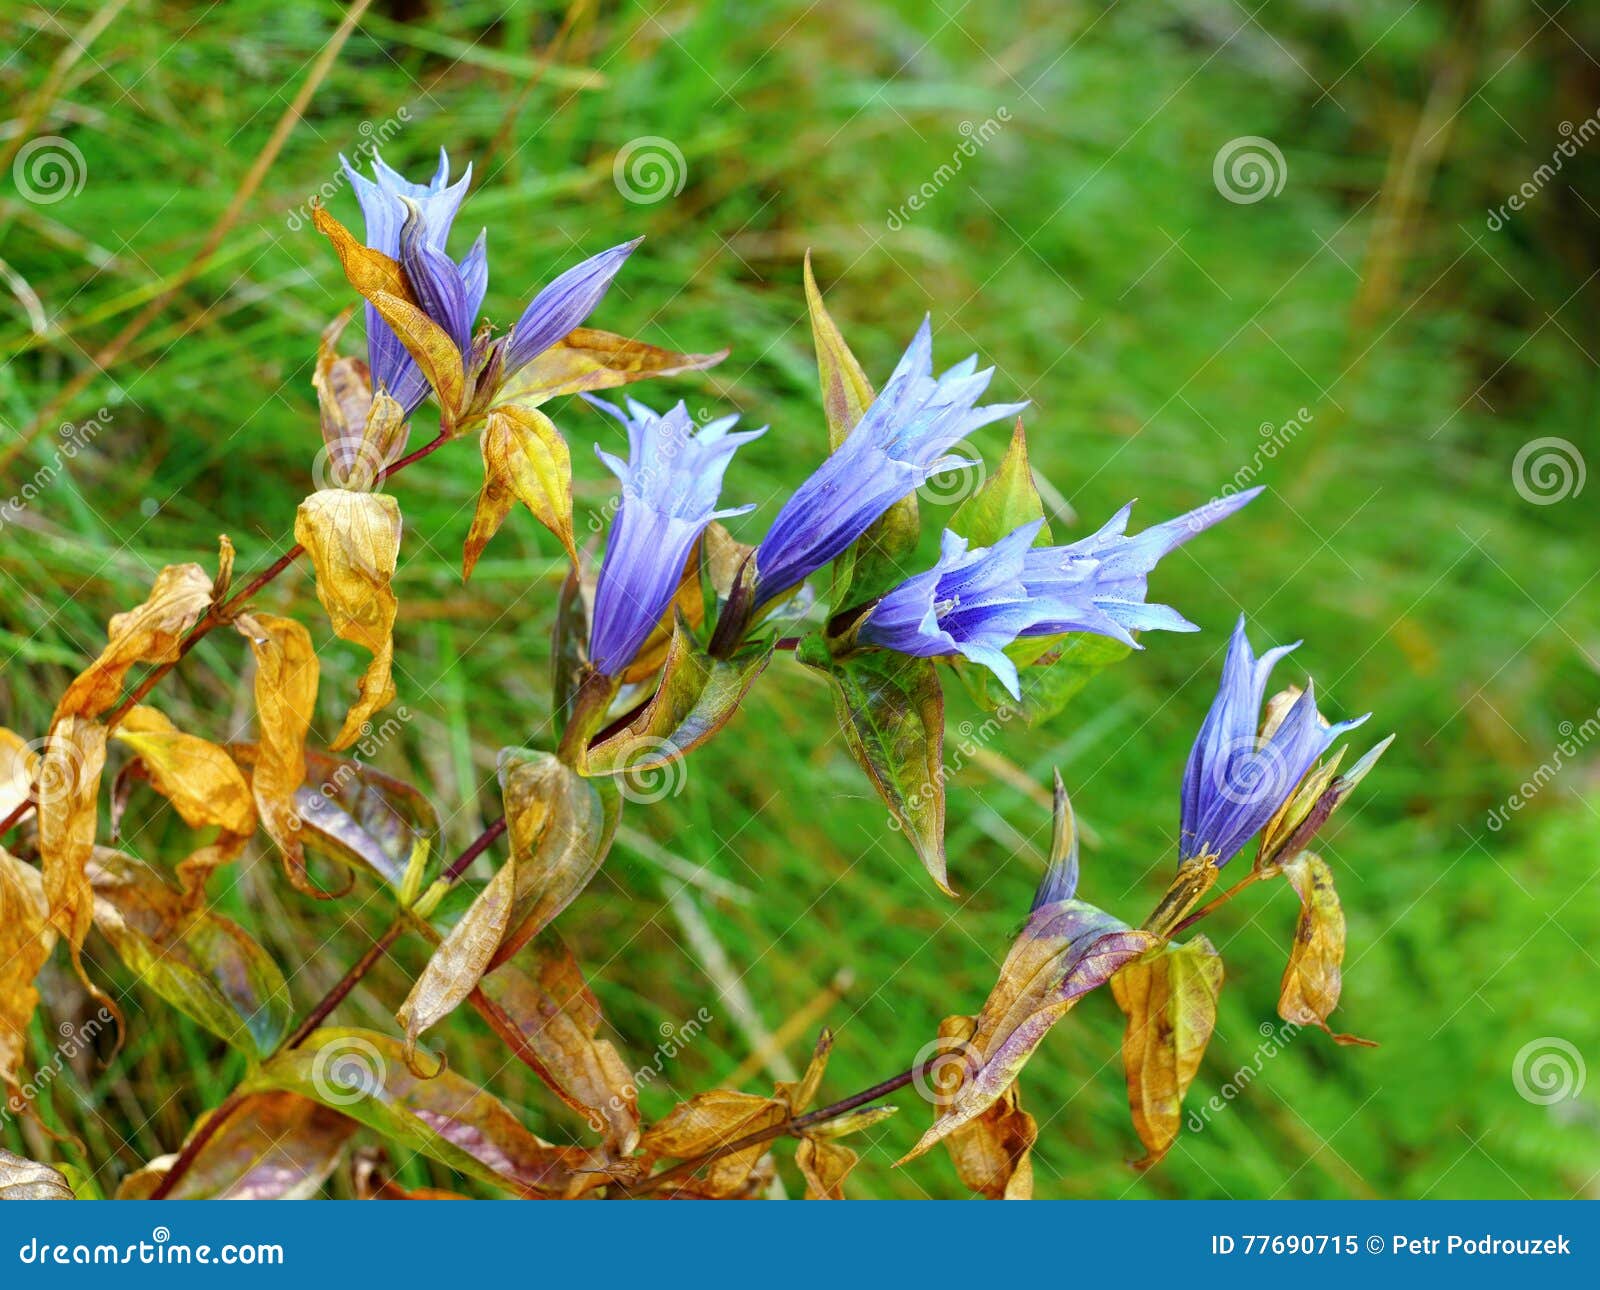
1085 251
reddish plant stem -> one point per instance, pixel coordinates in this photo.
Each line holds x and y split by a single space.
476 848
217 616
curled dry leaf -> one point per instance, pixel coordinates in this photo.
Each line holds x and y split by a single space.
1066 949
69 787
150 633
524 459
1169 996
560 827
709 1122
354 543
993 1152
22 1179
1312 980
587 359
824 1165
204 965
274 1146
200 779
26 939
541 1007
447 1118
286 699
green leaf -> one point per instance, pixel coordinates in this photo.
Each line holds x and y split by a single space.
875 563
447 1118
891 709
696 697
1007 500
1053 669
204 965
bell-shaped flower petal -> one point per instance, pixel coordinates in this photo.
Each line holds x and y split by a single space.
1236 777
972 603
563 305
1103 577
904 437
383 203
670 485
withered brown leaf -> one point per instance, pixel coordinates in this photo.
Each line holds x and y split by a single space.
1312 980
26 939
993 1152
201 781
586 359
68 792
1169 996
22 1179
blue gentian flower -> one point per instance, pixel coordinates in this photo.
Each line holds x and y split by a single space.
670 484
410 223
903 438
1238 775
975 603
1102 578
383 204
972 603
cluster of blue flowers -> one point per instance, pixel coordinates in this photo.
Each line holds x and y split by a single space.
973 603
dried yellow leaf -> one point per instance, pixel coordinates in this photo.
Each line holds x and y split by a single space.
26 939
69 787
1169 996
524 459
587 359
992 1153
1313 978
150 633
286 698
354 543
201 781
18 765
